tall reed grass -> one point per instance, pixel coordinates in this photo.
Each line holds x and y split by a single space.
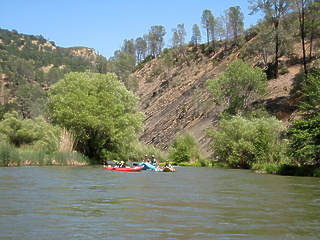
12 156
8 155
67 141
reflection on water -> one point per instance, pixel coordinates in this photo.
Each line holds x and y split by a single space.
192 203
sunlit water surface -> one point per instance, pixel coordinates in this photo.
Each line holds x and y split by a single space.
192 203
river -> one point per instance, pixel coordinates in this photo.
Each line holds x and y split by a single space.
87 202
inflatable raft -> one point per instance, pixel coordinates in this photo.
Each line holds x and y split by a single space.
123 169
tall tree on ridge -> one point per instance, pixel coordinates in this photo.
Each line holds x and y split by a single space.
179 35
128 46
220 27
208 24
313 23
274 11
300 7
141 48
236 21
155 39
196 34
178 40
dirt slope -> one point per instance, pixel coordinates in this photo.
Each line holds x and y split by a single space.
178 102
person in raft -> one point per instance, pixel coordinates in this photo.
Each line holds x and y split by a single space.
146 159
167 164
122 164
154 161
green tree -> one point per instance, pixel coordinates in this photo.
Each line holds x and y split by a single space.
304 134
22 70
30 100
238 86
221 28
101 64
179 35
312 24
168 62
300 6
236 22
208 23
122 64
263 46
54 75
129 46
9 127
307 12
155 39
241 142
178 41
274 12
39 76
141 48
184 148
196 35
99 111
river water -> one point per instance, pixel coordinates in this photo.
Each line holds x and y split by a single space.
192 203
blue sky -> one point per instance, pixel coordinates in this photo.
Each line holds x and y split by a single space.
104 24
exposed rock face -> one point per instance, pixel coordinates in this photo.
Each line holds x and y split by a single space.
175 100
84 52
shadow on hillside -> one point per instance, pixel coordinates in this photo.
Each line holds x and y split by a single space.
280 104
281 107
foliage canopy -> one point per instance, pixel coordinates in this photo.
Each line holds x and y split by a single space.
305 133
100 111
237 86
184 148
241 142
32 132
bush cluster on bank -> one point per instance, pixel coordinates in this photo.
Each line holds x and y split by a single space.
35 142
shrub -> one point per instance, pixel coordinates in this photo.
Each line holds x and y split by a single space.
241 142
35 133
184 149
140 149
269 167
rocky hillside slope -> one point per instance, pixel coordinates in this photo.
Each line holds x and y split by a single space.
28 61
175 100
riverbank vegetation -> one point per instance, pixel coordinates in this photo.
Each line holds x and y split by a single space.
252 139
264 144
13 156
36 142
99 111
184 148
71 106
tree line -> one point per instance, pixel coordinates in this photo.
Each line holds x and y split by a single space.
280 19
135 51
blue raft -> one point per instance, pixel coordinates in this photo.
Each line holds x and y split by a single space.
147 166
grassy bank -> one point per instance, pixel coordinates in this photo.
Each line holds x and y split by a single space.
286 169
11 156
269 168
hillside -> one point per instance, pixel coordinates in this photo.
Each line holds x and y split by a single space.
176 101
171 87
30 64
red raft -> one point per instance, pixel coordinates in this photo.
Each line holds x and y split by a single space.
123 169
